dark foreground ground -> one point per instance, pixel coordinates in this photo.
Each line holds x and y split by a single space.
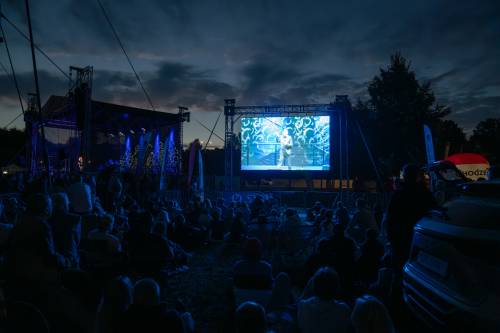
205 289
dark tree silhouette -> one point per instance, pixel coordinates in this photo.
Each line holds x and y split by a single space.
402 105
486 139
449 138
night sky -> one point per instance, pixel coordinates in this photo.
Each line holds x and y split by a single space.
196 53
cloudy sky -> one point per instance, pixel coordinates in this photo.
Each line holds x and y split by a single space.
196 53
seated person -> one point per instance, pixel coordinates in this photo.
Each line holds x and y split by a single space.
372 252
149 253
281 305
342 214
237 229
251 272
187 235
362 221
216 225
263 231
382 287
180 256
344 251
147 314
31 254
103 232
290 233
115 302
251 318
321 257
319 311
80 196
371 316
66 228
327 223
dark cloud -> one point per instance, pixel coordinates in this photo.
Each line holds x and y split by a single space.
263 78
177 84
49 84
196 53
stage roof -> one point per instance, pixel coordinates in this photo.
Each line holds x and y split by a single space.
108 114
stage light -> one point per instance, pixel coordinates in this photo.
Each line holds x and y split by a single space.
5 172
132 132
121 134
143 129
111 135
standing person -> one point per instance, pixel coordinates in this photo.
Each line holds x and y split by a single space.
408 205
286 144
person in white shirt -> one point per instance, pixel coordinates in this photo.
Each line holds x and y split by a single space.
103 232
322 312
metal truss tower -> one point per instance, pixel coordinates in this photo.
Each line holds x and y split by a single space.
229 112
184 116
81 92
339 108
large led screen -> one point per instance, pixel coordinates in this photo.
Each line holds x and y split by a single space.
285 143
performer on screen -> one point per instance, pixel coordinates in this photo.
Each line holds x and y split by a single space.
286 144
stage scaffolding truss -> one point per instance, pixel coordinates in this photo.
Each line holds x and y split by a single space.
339 109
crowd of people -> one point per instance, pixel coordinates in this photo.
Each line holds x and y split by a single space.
91 254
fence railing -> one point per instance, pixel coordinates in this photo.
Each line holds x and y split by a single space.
311 152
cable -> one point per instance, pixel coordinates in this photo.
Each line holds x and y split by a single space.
212 132
36 46
125 53
13 120
208 129
4 68
17 117
14 77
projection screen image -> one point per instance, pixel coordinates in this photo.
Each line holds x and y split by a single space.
285 143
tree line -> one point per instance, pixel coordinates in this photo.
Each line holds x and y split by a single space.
393 117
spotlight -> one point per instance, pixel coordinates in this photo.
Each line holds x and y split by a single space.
111 135
132 132
143 129
121 134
